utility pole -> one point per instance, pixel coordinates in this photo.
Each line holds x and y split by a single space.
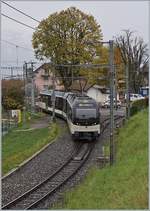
25 82
32 90
111 62
115 87
72 74
25 93
127 92
11 72
53 94
17 54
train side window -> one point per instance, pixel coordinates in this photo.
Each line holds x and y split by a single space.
49 101
45 99
57 103
64 105
60 103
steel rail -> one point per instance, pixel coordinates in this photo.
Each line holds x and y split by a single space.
70 161
81 163
21 197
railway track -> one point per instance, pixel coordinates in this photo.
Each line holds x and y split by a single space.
106 122
33 197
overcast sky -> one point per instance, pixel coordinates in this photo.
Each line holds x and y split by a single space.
113 16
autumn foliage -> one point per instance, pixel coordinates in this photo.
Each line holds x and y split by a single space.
67 37
12 94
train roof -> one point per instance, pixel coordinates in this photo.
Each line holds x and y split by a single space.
49 93
78 98
73 98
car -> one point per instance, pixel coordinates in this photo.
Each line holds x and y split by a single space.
134 97
106 104
144 91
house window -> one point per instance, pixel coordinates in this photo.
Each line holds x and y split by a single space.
45 87
45 77
46 72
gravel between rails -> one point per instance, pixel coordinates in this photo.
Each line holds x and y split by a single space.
58 197
80 176
49 160
38 168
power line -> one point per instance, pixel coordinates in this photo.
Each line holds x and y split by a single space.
16 45
20 11
18 21
11 61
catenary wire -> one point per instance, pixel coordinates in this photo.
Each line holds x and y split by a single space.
20 11
18 21
16 45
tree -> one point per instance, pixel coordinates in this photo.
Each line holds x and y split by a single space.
12 94
100 75
134 53
67 37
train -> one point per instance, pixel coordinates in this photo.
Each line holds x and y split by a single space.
80 111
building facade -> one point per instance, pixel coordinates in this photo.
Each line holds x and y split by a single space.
43 79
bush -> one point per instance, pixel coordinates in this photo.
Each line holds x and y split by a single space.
138 105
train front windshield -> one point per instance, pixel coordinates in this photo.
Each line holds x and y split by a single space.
86 114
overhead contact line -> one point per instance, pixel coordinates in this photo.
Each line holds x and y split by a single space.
6 16
20 11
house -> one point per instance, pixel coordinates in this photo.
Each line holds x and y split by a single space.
79 85
99 93
43 79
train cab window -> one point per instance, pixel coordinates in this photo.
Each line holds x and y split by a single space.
85 113
69 111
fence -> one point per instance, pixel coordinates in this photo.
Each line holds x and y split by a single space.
8 124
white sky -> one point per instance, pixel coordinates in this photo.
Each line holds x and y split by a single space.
113 16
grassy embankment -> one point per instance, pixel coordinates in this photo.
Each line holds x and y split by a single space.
18 146
124 185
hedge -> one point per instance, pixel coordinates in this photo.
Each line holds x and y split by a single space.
138 105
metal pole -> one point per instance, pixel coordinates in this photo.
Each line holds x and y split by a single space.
25 78
115 88
127 92
25 103
11 72
53 94
72 74
17 54
32 90
111 61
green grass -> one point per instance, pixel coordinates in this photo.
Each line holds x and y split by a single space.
17 146
124 185
29 118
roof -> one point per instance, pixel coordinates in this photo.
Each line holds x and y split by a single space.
43 66
103 89
77 85
49 92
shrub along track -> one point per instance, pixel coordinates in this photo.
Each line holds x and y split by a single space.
30 181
